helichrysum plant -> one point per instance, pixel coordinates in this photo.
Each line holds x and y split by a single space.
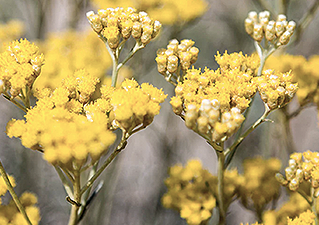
70 128
73 121
214 104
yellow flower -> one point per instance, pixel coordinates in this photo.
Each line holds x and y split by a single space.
305 218
20 65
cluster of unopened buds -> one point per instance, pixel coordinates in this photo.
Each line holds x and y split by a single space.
276 32
276 89
300 170
178 57
119 24
210 120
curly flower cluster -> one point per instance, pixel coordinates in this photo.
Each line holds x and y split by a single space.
176 58
260 185
64 55
58 126
304 71
276 89
212 101
168 12
20 65
276 32
119 23
303 167
188 192
10 215
128 106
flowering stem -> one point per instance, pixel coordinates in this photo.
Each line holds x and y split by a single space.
64 182
13 194
314 204
220 197
253 127
6 96
73 220
137 47
119 148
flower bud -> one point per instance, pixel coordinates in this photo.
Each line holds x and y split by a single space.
258 32
280 29
270 31
156 28
249 26
136 30
285 37
172 63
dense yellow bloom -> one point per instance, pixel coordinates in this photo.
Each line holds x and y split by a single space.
304 71
302 167
20 65
305 218
70 51
259 185
128 106
10 215
119 24
58 126
188 192
212 101
168 12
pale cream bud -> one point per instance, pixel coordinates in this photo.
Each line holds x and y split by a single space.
280 28
270 31
285 37
258 32
253 16
172 63
249 26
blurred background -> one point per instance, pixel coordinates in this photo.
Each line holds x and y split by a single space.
134 182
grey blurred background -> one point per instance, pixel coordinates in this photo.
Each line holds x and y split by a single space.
133 184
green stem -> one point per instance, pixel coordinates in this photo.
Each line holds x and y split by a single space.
65 183
6 96
119 148
220 183
314 205
73 220
13 194
305 196
137 47
253 127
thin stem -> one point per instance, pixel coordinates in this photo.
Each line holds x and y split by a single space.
305 196
119 148
6 96
115 70
13 194
73 220
65 183
137 47
220 183
253 127
314 205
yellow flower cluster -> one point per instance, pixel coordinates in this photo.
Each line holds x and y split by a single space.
119 23
305 218
294 207
58 125
178 57
212 101
260 185
252 223
10 215
3 186
276 32
304 71
276 89
10 31
189 193
70 51
168 12
303 167
129 106
20 65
